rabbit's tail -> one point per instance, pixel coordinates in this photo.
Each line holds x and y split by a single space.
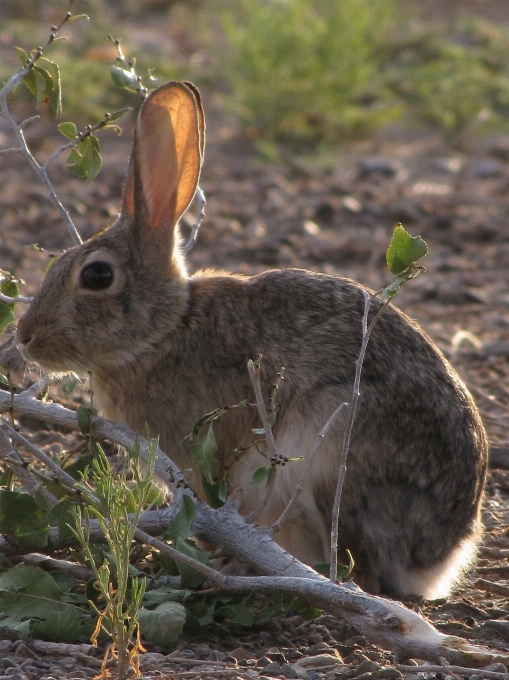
437 582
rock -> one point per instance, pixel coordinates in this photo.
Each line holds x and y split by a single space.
315 637
404 211
272 669
366 667
487 168
319 661
276 655
262 662
321 647
496 668
25 652
241 654
289 671
377 166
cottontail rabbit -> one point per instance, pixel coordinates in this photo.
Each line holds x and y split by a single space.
166 348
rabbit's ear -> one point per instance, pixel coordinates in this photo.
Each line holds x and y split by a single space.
167 156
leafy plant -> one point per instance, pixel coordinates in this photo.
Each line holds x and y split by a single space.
301 70
109 499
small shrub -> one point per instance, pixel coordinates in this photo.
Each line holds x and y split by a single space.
305 70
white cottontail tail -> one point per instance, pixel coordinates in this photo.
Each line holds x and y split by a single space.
166 348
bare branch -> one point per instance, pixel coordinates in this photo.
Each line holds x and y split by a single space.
62 476
180 557
253 368
72 568
383 622
12 300
117 433
201 214
19 468
366 332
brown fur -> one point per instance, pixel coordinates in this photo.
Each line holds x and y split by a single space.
166 348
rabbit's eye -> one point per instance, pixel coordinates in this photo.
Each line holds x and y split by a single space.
97 276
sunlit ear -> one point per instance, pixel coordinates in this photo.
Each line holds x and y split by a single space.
168 154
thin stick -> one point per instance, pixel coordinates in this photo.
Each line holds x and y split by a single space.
201 214
76 570
40 455
19 468
180 557
12 300
366 332
9 87
253 368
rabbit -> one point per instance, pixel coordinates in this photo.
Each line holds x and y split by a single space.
166 347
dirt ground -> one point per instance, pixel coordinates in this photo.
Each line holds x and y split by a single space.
455 194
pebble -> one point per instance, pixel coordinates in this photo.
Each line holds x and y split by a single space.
24 652
487 168
262 662
366 667
289 671
152 658
320 648
318 661
7 663
272 668
378 166
315 637
496 668
404 211
240 654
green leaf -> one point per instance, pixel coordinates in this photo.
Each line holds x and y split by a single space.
33 580
85 158
123 78
260 431
61 516
44 83
163 625
181 525
68 130
30 593
342 570
203 453
216 493
236 614
84 420
190 578
261 474
23 57
8 286
23 519
78 16
69 382
404 250
165 594
55 90
59 626
118 114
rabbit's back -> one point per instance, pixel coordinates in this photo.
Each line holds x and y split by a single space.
417 459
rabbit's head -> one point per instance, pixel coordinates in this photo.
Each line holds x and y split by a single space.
104 302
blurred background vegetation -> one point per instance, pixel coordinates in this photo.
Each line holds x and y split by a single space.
300 72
